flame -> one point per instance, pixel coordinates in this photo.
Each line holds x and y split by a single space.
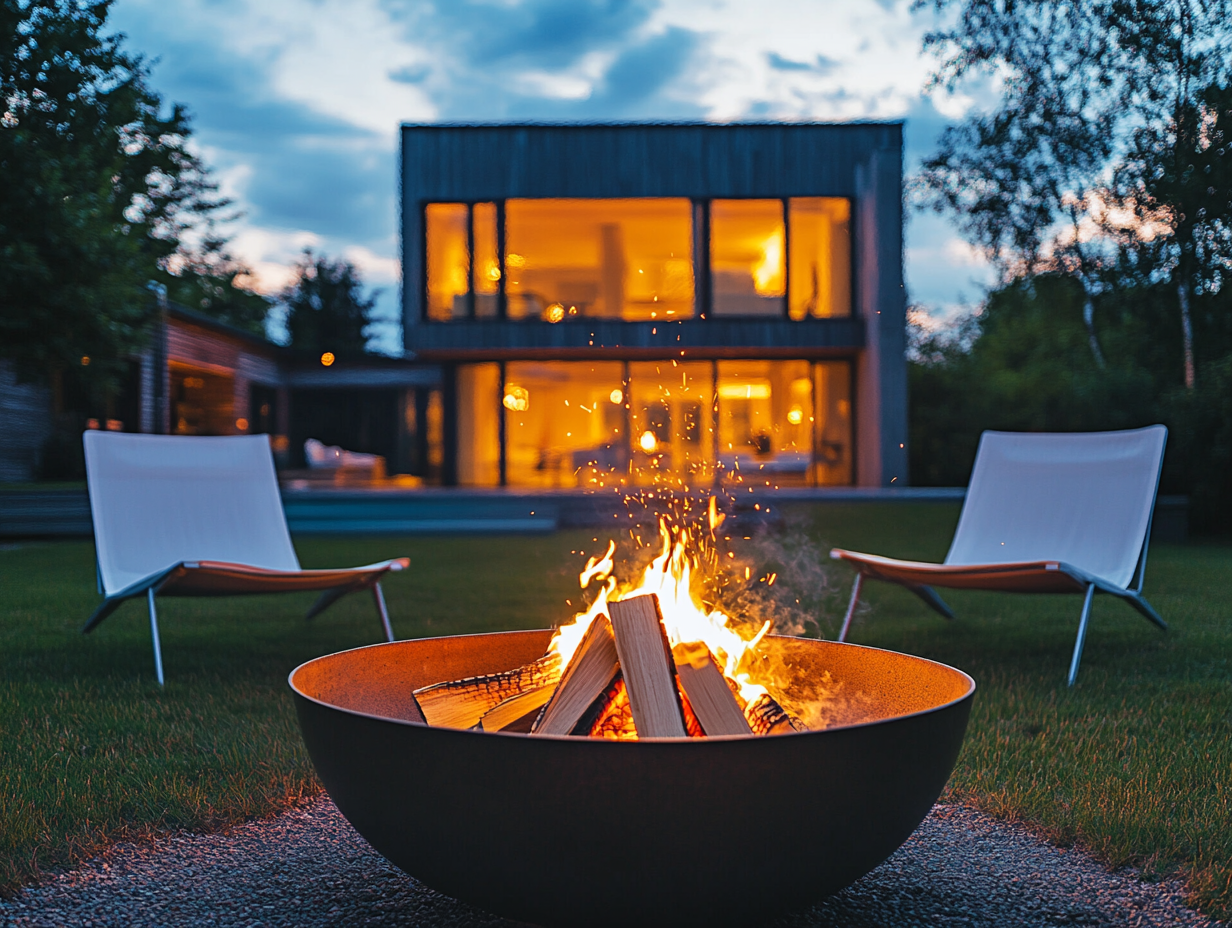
671 577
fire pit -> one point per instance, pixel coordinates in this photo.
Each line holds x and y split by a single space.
562 830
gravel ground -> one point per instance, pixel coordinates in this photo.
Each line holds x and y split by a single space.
309 868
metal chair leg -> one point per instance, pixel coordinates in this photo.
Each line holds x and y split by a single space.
380 607
1082 633
158 648
851 606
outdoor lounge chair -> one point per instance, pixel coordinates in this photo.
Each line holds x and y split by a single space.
180 516
1044 513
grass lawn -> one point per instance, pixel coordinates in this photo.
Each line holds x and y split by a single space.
1135 762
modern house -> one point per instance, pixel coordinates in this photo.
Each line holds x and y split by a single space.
659 304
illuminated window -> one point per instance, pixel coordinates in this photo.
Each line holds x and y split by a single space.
448 260
820 257
748 267
479 425
487 264
833 435
671 422
619 259
565 424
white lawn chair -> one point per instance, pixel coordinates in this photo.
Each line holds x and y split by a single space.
1045 513
180 516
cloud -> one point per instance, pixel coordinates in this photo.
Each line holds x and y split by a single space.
554 34
820 65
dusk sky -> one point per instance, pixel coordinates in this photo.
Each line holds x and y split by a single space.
297 103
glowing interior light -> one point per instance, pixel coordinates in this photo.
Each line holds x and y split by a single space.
795 415
516 398
554 313
241 424
616 396
768 275
493 271
328 358
648 442
515 260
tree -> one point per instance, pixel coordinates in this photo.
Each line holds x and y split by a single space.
100 189
1081 81
326 307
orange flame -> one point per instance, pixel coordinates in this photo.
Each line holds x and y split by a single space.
671 577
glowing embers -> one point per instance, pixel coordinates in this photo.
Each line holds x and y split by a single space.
645 660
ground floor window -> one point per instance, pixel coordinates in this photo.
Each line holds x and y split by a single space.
654 423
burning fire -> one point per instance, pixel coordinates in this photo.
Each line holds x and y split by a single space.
672 576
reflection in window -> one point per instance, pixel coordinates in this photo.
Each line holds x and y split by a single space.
747 261
448 260
618 258
820 257
565 424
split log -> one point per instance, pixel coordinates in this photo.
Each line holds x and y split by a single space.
691 724
591 670
523 708
647 667
766 717
462 703
710 696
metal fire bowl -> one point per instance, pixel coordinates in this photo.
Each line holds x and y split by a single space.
573 831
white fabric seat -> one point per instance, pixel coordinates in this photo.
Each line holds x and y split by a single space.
1044 513
189 516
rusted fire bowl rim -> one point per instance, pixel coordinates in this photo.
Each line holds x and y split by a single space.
576 831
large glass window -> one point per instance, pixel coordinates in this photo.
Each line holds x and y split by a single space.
748 260
664 423
671 418
448 260
479 425
820 257
566 424
766 421
619 258
832 436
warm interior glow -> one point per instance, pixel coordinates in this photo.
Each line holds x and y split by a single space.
648 442
613 258
795 415
517 398
328 358
616 396
747 263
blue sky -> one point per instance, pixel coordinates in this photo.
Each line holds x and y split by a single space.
296 103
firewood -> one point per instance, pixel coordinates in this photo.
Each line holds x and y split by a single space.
506 715
766 717
591 670
691 724
647 667
462 703
611 716
710 698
